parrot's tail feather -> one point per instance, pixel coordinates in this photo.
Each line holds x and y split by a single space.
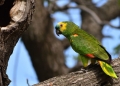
110 59
107 69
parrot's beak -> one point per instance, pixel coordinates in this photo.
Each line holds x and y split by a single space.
57 30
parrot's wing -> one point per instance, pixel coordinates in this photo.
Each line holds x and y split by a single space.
88 44
91 37
84 60
100 48
107 69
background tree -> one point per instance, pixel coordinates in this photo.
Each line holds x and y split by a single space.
45 50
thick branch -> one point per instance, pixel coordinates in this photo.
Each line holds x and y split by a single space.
110 10
15 16
92 76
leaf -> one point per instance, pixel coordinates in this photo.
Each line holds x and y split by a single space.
107 69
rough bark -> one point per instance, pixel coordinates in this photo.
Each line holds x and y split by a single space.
91 76
15 16
45 50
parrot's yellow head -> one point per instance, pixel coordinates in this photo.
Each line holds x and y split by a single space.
66 28
60 27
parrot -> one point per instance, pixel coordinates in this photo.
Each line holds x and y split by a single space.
87 46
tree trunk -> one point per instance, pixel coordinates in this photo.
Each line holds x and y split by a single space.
45 50
15 16
91 76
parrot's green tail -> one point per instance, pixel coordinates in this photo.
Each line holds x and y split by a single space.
107 69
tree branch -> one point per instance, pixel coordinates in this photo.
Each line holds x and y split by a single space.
92 76
94 15
86 9
15 16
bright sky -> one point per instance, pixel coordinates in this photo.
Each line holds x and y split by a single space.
20 68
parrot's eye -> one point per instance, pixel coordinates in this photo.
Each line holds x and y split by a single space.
61 25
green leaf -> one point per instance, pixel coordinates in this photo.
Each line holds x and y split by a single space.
107 69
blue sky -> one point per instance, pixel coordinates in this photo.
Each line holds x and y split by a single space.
20 68
21 60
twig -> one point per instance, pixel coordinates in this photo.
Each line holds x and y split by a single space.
28 83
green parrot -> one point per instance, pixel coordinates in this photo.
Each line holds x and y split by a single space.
86 45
